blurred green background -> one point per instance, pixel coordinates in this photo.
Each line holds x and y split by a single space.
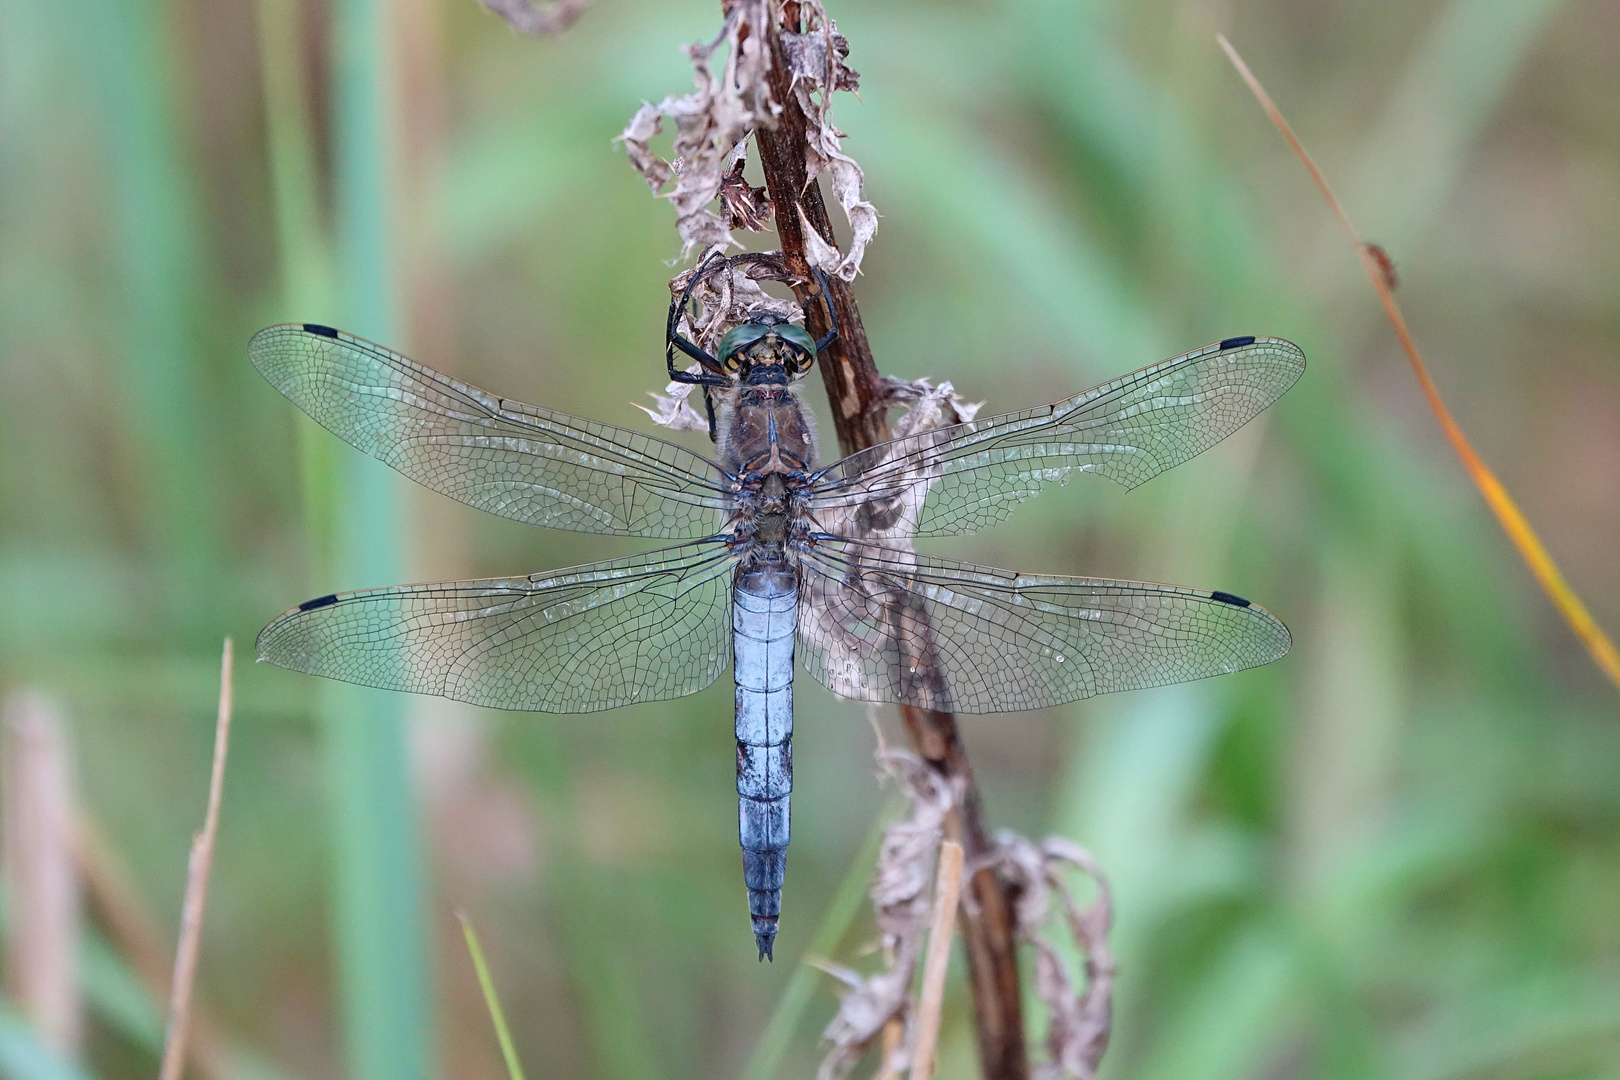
1396 853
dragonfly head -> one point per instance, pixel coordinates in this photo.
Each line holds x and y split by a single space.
767 352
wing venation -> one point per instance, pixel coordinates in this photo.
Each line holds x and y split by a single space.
968 476
520 461
879 624
646 628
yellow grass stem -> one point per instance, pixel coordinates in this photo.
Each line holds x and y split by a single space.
1508 515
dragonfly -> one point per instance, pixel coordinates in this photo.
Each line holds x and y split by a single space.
774 558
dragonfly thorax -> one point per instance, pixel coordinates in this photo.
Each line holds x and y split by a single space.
764 429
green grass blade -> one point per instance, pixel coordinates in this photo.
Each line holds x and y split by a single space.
382 961
514 1069
24 1057
379 937
160 262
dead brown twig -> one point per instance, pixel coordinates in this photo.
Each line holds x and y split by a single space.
783 64
196 898
138 937
859 408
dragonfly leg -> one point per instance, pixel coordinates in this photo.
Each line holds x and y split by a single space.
708 407
832 313
712 373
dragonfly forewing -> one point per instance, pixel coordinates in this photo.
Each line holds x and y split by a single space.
646 628
519 461
969 476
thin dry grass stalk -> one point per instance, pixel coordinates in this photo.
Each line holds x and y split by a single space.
901 905
941 927
196 898
1508 515
41 880
138 936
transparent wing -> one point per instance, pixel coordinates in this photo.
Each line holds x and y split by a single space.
884 625
966 477
516 460
592 637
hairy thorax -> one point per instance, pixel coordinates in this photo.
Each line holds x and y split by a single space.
769 444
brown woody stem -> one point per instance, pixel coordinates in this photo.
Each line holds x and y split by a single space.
860 418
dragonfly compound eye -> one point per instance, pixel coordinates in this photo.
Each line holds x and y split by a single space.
735 345
799 349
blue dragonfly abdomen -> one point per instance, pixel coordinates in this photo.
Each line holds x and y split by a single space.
765 608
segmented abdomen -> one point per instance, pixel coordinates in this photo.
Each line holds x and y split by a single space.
764 608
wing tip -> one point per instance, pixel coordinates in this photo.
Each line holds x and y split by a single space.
1284 637
275 330
1245 340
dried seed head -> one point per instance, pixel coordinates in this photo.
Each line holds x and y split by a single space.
1078 1021
713 122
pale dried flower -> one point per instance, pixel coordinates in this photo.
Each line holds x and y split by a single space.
525 18
747 207
815 59
1078 1021
928 406
673 408
713 122
710 124
721 299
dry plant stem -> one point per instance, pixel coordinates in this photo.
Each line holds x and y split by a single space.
987 922
893 1032
1508 515
137 936
36 865
196 899
854 387
855 392
947 893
